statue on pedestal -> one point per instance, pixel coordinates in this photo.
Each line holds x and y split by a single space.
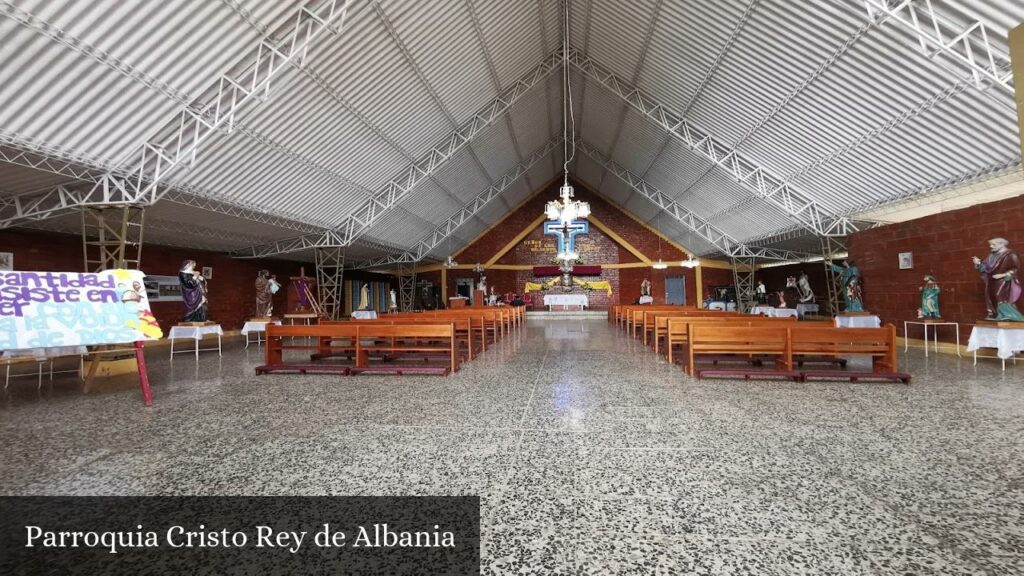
264 294
852 295
929 298
193 292
394 300
364 296
645 287
1001 273
803 286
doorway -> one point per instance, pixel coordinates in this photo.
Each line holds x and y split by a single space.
464 287
675 290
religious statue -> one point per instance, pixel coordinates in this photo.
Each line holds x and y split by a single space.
645 287
364 297
394 300
929 299
482 285
1001 273
264 294
193 292
852 295
762 292
803 286
790 294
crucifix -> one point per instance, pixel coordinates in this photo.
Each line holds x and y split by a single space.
565 235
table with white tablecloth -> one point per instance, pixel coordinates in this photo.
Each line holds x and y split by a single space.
41 356
1007 341
803 309
196 333
364 314
774 312
866 321
258 328
565 300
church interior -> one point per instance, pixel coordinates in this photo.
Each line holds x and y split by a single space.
644 287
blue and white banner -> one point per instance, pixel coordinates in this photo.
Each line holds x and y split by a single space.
50 309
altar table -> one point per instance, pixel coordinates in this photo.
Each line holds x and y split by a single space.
566 300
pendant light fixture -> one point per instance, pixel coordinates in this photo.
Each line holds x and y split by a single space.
565 209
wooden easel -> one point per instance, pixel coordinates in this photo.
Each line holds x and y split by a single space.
110 351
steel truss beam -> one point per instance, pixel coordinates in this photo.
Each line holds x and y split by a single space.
390 194
710 233
407 286
743 277
470 209
830 248
798 206
330 272
969 47
178 143
112 238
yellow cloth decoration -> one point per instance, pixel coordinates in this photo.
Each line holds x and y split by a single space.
535 287
599 285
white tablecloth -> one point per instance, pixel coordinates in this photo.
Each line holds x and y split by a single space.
858 321
716 305
773 312
646 300
196 332
566 300
364 314
1007 341
257 326
43 353
802 309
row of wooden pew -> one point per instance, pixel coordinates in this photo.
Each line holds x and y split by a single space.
434 342
687 336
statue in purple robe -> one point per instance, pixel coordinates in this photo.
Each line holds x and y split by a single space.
193 292
1001 273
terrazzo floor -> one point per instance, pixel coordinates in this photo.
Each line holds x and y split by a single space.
591 455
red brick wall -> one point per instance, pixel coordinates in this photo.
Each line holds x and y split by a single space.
232 297
595 248
712 277
942 245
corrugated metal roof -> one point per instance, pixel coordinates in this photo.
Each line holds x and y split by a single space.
849 111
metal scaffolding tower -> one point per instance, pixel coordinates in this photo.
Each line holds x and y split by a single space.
830 248
112 237
330 269
743 277
407 286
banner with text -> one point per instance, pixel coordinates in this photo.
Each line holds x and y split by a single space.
48 309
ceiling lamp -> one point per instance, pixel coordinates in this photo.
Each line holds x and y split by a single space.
565 210
479 268
659 265
450 263
690 262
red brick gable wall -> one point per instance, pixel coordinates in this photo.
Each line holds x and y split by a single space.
595 248
942 245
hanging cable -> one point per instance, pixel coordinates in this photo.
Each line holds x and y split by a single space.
567 112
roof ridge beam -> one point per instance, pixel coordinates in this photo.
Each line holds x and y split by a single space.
798 206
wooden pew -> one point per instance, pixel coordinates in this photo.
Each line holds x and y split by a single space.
829 341
718 339
788 342
677 334
648 328
635 316
463 330
360 340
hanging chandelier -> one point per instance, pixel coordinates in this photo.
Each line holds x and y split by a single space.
659 265
565 209
450 263
690 262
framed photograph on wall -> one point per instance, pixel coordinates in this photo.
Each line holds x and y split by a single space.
6 261
208 272
906 260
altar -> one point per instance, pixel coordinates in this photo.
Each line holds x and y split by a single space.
566 300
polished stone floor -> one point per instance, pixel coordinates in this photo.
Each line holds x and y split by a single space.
592 455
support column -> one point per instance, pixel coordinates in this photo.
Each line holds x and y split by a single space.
406 286
830 247
743 277
112 237
330 268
